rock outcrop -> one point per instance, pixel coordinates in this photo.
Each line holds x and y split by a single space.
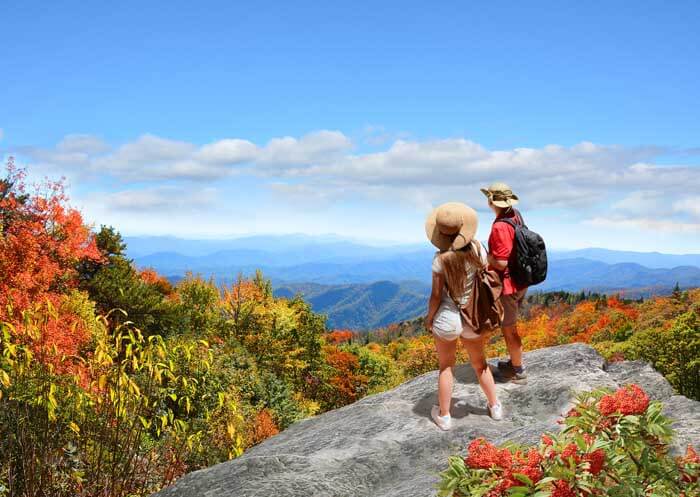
387 445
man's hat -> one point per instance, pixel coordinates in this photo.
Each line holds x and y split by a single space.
500 195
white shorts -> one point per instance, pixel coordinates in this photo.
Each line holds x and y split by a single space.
448 325
454 334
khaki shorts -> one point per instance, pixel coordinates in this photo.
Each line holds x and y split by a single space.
511 306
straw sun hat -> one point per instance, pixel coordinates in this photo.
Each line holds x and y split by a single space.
451 226
500 195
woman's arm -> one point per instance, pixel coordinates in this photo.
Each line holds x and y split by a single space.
435 299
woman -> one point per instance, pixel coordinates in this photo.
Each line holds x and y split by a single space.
451 228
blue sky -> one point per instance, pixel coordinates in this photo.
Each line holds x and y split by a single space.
224 118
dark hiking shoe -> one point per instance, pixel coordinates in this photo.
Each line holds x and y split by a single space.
508 372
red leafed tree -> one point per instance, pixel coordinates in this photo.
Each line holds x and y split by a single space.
42 239
339 336
344 384
151 277
264 427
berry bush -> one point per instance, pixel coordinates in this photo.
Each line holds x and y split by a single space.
612 444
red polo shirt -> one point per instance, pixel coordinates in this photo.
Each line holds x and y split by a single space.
501 246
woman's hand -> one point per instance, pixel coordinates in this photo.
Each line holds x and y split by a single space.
429 325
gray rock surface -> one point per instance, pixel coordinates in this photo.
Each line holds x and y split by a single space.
387 445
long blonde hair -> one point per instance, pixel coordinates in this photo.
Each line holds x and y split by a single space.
455 263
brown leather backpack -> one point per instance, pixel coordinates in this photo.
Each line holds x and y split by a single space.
483 312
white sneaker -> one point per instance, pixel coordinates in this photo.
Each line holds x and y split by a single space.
443 422
496 412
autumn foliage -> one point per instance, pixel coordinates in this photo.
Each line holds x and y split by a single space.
103 364
42 240
339 336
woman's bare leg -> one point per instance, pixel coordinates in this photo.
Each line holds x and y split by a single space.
477 357
446 351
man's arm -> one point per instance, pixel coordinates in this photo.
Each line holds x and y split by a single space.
500 246
497 264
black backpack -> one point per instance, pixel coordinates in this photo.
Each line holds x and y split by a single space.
528 262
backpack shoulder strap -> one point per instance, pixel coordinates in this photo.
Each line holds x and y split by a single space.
507 220
515 221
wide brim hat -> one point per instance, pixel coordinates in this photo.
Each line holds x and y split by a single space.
500 195
451 226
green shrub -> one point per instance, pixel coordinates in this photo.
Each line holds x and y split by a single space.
124 419
199 306
675 353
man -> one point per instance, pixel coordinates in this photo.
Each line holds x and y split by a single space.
501 200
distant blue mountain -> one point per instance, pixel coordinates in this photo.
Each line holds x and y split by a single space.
332 260
648 259
363 286
312 247
369 305
584 274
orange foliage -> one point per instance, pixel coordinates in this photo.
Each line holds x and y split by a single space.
347 384
42 240
538 332
339 336
374 347
151 277
263 427
341 360
243 291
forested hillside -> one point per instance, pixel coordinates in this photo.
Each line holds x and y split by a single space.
362 306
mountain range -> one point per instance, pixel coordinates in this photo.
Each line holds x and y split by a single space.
362 306
361 286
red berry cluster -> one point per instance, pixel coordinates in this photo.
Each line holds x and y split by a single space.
596 460
561 488
630 399
484 455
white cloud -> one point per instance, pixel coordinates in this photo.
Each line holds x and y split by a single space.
644 202
229 151
318 147
148 200
152 157
149 156
649 225
689 205
587 179
86 144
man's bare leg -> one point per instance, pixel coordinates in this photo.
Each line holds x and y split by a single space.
514 345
